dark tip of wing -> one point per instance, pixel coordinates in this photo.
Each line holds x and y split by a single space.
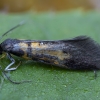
89 46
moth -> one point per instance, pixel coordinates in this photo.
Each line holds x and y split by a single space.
77 53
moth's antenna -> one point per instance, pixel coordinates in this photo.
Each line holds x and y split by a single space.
21 23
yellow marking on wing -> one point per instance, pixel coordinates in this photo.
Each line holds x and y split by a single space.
56 63
58 54
38 45
63 56
42 50
24 47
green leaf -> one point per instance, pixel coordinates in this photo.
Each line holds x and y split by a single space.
49 82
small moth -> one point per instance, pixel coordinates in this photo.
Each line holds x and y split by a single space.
78 53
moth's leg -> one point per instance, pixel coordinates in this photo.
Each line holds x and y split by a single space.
26 81
12 63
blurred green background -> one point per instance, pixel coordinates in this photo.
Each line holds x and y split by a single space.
49 20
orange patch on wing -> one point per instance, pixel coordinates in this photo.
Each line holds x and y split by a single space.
56 63
59 54
24 47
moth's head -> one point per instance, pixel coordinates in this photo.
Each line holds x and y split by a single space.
3 44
